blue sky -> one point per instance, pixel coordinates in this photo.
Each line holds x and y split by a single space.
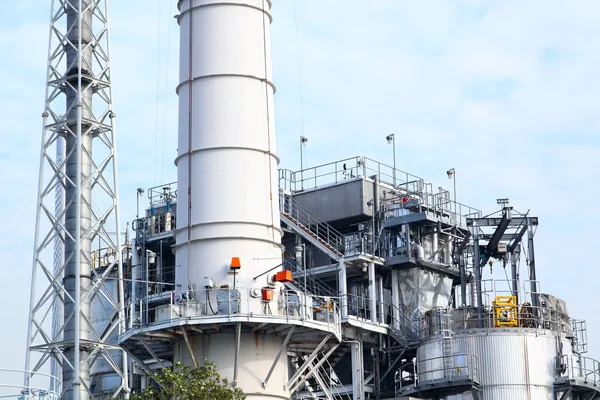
505 92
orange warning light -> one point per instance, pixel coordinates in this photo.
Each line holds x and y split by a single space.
235 263
284 276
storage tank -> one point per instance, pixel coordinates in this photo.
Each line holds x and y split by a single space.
516 363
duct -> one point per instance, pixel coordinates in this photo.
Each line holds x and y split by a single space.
421 290
555 314
419 252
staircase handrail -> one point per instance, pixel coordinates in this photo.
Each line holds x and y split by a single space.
406 322
314 224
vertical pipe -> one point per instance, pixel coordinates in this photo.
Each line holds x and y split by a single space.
343 288
78 181
477 268
372 294
394 151
356 355
435 245
121 283
381 308
396 299
463 279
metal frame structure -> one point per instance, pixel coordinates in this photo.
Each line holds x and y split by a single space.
86 283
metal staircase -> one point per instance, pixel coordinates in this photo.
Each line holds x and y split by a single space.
310 227
321 385
403 329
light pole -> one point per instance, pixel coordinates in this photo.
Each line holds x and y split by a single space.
140 193
303 140
452 175
391 139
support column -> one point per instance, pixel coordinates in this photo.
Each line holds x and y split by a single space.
532 274
463 279
372 293
343 289
434 246
356 352
514 273
381 308
477 268
396 299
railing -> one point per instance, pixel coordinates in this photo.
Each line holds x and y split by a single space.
438 204
362 243
41 386
436 371
577 368
579 335
223 304
162 194
314 285
155 225
312 224
469 318
338 171
409 186
406 324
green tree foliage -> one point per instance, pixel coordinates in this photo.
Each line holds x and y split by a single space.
182 383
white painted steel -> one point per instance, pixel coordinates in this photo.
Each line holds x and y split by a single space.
227 174
257 353
227 133
511 364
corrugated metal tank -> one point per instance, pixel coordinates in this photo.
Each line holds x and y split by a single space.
511 364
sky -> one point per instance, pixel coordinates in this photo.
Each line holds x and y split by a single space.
506 93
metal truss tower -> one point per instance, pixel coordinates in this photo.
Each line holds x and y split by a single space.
77 303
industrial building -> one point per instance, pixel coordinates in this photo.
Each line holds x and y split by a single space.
348 280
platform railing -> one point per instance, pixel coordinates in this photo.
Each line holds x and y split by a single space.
578 369
41 386
223 305
437 371
341 170
469 318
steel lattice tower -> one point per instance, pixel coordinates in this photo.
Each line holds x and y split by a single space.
77 298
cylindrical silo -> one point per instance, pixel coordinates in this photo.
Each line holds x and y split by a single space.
227 173
508 364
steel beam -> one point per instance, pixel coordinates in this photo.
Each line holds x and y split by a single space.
313 367
532 273
490 221
312 356
492 245
477 269
238 338
152 353
281 350
189 346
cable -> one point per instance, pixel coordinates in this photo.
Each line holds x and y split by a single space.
209 303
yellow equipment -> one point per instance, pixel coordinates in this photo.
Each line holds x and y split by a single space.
505 311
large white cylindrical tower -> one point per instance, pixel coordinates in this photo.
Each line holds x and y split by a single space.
227 162
227 176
